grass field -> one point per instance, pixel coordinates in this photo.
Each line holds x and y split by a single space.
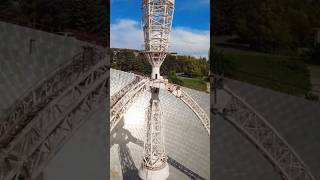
286 74
194 83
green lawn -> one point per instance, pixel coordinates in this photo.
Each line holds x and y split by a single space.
194 83
286 74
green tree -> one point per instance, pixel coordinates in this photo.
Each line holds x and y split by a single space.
313 55
88 15
224 16
172 77
268 25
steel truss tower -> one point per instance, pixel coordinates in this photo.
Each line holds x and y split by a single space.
156 24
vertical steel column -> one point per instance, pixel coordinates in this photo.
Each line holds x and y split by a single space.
155 157
156 24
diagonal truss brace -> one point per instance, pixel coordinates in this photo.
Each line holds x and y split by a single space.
261 133
155 157
192 104
36 143
156 23
123 100
118 95
35 99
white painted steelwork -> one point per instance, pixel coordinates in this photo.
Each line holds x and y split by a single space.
53 115
192 104
263 135
122 100
174 89
157 18
155 157
177 118
117 96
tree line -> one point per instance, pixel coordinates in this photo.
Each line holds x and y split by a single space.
268 25
87 16
187 65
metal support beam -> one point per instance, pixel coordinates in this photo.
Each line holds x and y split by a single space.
155 157
192 104
261 133
123 100
157 18
46 130
33 100
154 165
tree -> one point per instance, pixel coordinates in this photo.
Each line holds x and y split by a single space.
172 77
313 55
28 9
268 25
194 67
224 17
88 15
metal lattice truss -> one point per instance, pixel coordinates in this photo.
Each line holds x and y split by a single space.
155 58
17 116
265 138
157 18
117 96
122 101
192 104
126 101
154 152
57 109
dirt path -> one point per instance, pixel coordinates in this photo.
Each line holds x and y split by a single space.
315 79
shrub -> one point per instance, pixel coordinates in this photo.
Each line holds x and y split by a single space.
172 77
312 97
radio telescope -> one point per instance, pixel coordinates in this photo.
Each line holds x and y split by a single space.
157 16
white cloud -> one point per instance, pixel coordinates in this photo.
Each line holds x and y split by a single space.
127 33
190 42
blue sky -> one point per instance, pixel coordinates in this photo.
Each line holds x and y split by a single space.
190 29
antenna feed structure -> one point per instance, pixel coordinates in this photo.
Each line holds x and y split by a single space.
156 23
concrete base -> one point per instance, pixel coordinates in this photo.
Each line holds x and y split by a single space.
160 174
